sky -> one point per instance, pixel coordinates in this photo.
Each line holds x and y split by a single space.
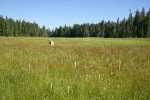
55 13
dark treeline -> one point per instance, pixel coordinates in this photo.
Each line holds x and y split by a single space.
10 27
133 26
137 26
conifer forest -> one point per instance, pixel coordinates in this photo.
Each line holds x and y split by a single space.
133 26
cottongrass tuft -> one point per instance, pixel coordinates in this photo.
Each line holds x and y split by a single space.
68 89
29 65
75 64
99 76
51 87
119 61
85 66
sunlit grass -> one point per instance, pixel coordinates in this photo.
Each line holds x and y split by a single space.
74 68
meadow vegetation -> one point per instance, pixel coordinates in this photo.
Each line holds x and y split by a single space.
74 68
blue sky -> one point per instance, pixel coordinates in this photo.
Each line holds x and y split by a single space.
53 13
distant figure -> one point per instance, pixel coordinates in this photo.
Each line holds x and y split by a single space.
51 42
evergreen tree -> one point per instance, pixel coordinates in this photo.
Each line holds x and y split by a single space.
102 28
148 24
113 29
92 30
122 33
107 30
137 24
98 30
85 30
2 26
130 25
143 23
117 29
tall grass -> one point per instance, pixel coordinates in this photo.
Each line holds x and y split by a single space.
74 68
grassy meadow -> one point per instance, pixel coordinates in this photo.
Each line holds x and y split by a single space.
74 69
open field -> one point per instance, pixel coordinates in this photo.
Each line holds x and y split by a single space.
74 68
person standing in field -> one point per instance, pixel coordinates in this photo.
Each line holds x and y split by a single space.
51 42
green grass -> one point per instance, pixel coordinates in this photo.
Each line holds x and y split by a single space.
74 68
